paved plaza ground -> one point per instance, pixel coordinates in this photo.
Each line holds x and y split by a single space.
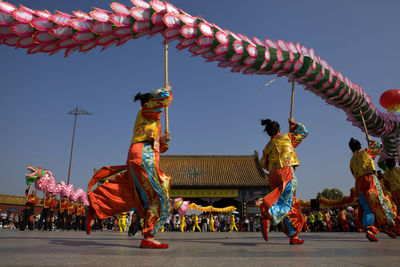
40 248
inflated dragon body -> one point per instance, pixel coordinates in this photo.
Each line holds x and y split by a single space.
42 31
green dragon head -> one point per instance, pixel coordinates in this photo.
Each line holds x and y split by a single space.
35 173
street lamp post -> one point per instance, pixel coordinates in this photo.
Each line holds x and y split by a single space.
76 111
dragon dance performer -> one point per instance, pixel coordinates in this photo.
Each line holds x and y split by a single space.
280 159
140 184
343 220
122 221
46 217
80 216
31 201
392 205
327 219
182 226
233 224
195 223
372 204
305 225
211 223
392 178
64 204
71 210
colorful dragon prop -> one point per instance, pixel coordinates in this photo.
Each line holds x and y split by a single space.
41 31
45 182
36 173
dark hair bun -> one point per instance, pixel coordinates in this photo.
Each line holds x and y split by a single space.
137 97
266 122
354 144
271 127
144 98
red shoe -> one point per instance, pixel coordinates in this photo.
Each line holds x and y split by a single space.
151 244
264 223
388 232
89 221
371 237
296 241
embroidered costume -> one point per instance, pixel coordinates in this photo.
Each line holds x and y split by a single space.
392 178
280 159
373 207
141 184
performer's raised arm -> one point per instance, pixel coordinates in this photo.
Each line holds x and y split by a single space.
374 148
297 132
158 100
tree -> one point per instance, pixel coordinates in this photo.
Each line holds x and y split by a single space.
332 194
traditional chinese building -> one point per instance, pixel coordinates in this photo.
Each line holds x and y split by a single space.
217 180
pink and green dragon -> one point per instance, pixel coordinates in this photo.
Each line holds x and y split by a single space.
41 31
44 181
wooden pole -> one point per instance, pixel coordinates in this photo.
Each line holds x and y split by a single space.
29 191
44 198
166 85
292 101
72 146
365 126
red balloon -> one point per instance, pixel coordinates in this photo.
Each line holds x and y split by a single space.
390 99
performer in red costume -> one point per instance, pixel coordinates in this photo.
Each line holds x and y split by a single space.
80 216
140 184
343 220
70 214
49 204
280 159
64 204
327 219
373 207
31 201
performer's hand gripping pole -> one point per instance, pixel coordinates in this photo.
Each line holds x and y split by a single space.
166 85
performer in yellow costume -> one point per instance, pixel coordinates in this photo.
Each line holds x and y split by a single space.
196 223
182 226
212 227
392 178
373 207
139 184
122 222
389 199
233 224
280 159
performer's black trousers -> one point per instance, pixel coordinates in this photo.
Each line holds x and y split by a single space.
63 220
79 222
46 219
69 222
27 219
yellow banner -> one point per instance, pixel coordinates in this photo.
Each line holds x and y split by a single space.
193 193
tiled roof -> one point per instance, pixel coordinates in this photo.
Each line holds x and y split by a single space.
214 170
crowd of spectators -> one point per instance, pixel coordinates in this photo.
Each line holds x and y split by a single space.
14 220
332 220
222 223
327 220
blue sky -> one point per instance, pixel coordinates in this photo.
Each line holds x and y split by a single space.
214 111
